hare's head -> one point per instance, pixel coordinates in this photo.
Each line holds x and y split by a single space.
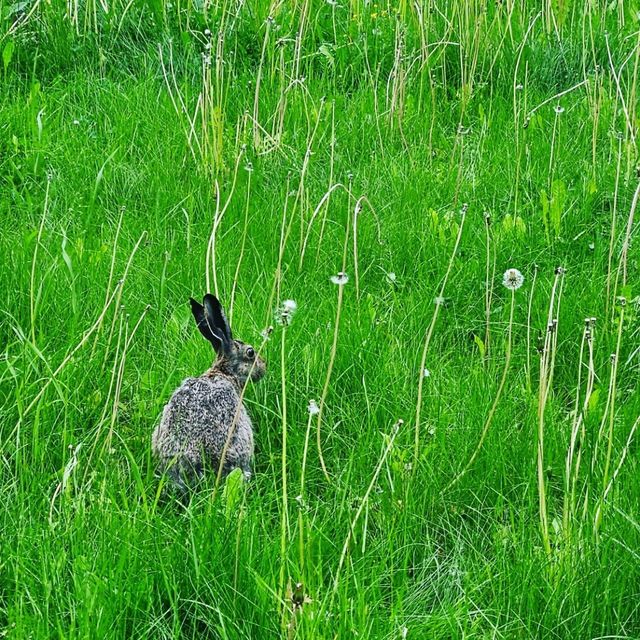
235 358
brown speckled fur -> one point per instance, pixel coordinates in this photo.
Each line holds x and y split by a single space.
195 422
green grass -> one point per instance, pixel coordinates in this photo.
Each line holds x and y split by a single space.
105 178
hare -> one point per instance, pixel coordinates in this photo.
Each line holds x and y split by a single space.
205 417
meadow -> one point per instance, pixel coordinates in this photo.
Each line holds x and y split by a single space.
446 437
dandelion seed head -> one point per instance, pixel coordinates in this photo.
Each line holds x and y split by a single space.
512 279
266 333
439 300
340 279
558 109
391 277
426 373
313 408
284 313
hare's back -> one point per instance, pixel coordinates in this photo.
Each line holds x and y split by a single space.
198 416
208 401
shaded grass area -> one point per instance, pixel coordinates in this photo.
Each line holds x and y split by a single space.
96 173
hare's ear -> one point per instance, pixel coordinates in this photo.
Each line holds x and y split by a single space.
206 326
215 314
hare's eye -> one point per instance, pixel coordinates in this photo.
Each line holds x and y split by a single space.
250 353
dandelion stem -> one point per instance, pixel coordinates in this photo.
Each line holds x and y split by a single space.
492 411
285 506
429 334
365 498
325 388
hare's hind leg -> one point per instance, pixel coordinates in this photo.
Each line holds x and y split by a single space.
246 472
182 477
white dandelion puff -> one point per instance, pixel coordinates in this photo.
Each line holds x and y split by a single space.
558 109
391 277
284 313
341 279
426 373
313 408
290 306
439 300
512 279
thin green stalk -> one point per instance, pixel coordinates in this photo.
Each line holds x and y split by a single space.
284 525
429 334
496 400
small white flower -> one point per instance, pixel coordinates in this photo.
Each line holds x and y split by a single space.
207 32
519 87
426 373
341 279
76 122
313 408
558 109
439 300
391 277
512 279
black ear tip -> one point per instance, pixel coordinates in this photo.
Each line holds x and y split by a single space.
209 297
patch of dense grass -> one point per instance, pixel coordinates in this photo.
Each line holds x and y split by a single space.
123 138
